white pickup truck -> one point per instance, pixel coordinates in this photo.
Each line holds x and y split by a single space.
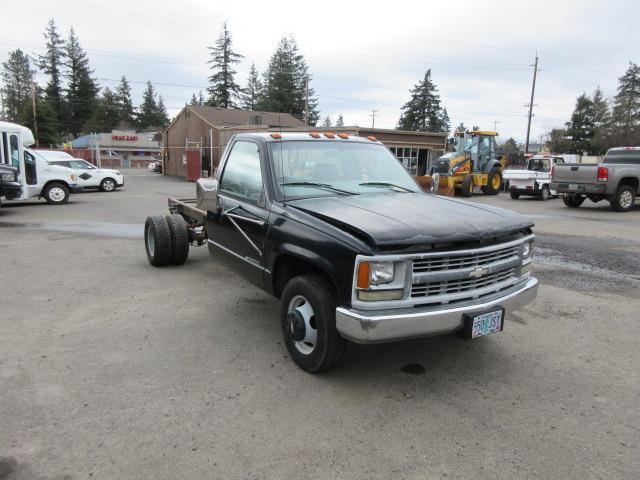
535 179
38 178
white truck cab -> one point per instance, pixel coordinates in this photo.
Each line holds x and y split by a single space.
535 179
39 179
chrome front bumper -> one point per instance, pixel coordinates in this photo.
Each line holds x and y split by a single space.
362 326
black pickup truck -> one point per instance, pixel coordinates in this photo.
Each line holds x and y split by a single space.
10 187
334 227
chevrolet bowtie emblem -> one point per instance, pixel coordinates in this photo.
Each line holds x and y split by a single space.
478 272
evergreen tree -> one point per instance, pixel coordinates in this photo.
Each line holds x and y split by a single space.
340 121
326 122
625 123
251 92
581 128
422 112
47 134
558 141
284 83
163 118
127 116
152 113
601 121
201 100
194 100
82 90
445 122
51 63
460 128
17 79
223 90
509 146
108 111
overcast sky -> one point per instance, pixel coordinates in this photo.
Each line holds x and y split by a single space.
363 55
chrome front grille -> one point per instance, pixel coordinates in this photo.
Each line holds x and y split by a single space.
459 286
453 260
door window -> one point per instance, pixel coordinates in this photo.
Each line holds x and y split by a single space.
80 165
30 169
15 150
242 176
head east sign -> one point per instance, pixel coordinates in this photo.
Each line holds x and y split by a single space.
126 138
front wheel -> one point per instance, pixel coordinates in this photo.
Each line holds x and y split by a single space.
624 199
108 185
545 194
494 182
573 201
466 189
308 318
56 194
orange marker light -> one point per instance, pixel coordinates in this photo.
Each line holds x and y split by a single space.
364 269
372 138
343 135
314 135
330 135
276 136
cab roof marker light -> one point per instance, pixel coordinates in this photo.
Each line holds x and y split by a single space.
329 135
343 135
372 138
276 136
314 134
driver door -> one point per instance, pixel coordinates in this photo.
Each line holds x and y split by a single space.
237 229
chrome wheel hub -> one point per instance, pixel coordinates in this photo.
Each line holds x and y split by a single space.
56 194
626 199
302 324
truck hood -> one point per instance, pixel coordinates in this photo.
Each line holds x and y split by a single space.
403 219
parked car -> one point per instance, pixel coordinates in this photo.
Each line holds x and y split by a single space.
155 167
334 227
10 187
38 178
534 180
90 176
616 179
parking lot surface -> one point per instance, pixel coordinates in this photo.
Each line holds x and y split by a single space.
110 368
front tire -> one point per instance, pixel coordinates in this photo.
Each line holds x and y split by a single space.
308 319
494 182
573 201
466 189
108 185
624 199
545 194
56 194
157 241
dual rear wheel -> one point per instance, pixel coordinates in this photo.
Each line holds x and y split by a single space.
166 240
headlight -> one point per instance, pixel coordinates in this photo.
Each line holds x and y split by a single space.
527 249
381 273
380 280
74 177
8 177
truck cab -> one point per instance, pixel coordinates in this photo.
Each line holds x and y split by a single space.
38 179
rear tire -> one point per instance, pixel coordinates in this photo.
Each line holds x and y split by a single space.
514 195
573 201
494 182
179 239
157 241
466 189
624 199
56 194
308 319
545 193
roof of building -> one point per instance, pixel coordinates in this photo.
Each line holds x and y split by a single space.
221 117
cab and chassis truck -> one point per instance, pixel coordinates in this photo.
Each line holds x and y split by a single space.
616 179
338 231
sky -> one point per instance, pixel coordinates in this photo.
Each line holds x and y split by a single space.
363 56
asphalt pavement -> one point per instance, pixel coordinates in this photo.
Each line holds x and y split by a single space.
113 369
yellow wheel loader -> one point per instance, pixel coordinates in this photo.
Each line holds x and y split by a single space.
473 163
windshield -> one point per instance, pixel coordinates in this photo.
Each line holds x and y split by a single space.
313 169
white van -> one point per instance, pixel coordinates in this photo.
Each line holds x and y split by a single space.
39 179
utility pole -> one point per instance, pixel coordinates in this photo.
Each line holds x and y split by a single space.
306 100
533 90
374 112
1 105
33 104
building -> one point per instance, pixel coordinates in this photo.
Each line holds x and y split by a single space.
119 148
198 135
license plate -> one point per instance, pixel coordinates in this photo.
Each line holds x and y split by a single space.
486 323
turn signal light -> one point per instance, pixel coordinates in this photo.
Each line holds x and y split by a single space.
603 174
314 135
364 269
329 135
276 136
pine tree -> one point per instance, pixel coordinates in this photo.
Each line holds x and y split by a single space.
152 113
251 92
162 117
509 146
340 121
625 123
82 90
445 122
422 112
194 100
601 121
284 83
223 90
108 111
51 63
17 78
326 122
460 128
127 116
581 128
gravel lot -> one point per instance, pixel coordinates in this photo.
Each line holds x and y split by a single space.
110 368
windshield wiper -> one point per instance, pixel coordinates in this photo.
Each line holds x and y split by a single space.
319 185
384 184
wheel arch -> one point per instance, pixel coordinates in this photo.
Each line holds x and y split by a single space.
630 181
289 264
